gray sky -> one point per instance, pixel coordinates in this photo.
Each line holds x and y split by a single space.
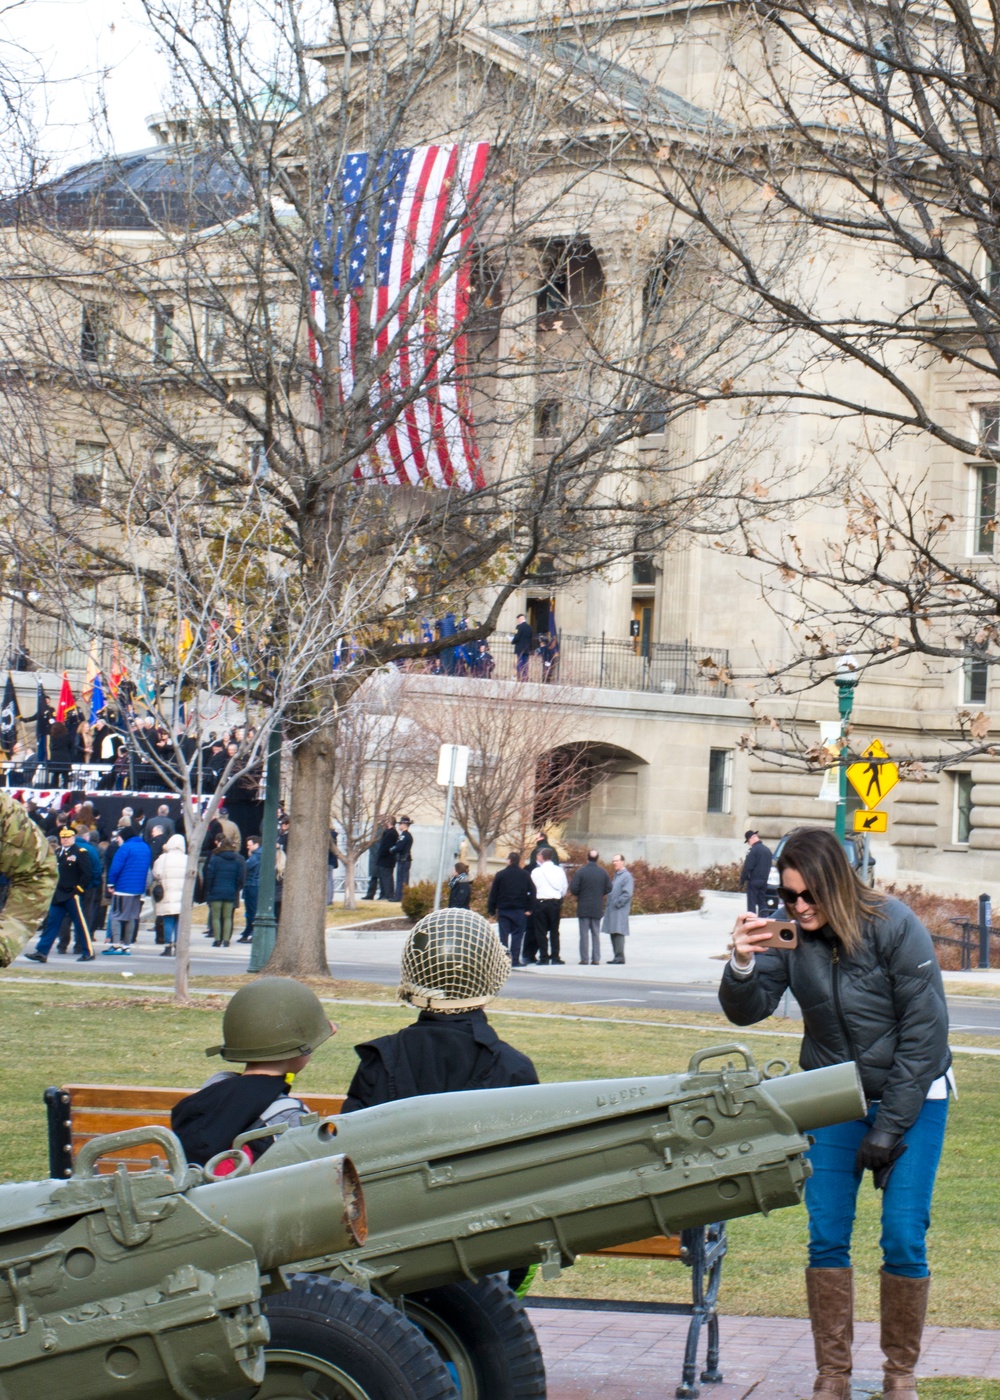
90 51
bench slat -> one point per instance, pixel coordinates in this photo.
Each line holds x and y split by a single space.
141 1098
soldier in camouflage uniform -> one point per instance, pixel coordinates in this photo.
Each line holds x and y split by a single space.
30 868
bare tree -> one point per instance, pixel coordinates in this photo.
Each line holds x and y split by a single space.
383 766
524 768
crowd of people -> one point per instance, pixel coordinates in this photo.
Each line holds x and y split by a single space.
106 872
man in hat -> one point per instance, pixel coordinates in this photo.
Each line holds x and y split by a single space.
756 868
30 867
74 880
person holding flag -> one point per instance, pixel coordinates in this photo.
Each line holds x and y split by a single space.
30 869
43 713
74 878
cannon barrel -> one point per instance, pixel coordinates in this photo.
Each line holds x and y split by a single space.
150 1283
459 1185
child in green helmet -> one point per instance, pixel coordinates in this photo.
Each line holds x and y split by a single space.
272 1026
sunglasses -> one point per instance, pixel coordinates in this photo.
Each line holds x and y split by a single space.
791 897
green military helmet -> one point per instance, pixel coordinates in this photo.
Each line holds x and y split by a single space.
272 1019
453 961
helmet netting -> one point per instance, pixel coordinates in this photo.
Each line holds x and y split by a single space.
452 961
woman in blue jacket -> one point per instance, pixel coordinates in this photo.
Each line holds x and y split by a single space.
224 875
127 879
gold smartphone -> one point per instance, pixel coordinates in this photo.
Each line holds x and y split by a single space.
783 935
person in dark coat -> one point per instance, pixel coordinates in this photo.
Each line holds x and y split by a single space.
60 753
590 885
74 879
522 641
403 852
383 873
460 887
542 843
510 900
868 982
451 1046
756 869
224 875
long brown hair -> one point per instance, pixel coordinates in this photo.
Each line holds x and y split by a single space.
822 862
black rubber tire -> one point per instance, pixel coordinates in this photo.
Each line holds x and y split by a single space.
492 1327
384 1355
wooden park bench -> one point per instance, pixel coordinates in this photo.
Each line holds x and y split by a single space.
79 1112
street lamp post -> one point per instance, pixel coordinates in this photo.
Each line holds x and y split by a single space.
265 925
846 677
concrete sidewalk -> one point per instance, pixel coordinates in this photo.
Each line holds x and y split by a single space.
659 948
592 1355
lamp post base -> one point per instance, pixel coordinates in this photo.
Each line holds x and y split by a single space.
265 931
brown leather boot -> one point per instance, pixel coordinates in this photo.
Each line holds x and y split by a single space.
831 1312
903 1309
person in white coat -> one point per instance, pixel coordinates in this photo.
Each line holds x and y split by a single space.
169 870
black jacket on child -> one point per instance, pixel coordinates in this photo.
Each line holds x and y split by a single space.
438 1054
210 1120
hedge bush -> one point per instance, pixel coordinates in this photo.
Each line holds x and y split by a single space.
418 899
934 911
721 877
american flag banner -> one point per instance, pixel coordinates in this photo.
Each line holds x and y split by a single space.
420 256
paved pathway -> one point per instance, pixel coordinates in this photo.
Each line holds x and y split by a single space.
637 1356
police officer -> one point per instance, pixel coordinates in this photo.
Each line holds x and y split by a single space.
74 878
272 1026
756 868
29 868
453 964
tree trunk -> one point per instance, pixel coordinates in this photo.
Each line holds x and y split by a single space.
481 860
350 882
300 948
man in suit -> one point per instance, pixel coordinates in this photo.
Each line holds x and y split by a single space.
756 868
382 863
521 642
403 851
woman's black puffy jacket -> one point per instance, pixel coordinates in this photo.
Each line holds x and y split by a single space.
882 1007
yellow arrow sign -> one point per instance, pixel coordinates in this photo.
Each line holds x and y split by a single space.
871 821
875 777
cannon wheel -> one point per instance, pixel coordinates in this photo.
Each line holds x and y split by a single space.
483 1332
331 1341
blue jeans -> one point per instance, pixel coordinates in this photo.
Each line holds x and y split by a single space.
250 896
832 1193
170 928
511 926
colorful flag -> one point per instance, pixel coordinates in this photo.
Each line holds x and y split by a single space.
9 716
41 724
146 685
96 698
185 640
118 671
67 700
93 671
424 198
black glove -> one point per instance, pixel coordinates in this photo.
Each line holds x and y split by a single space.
878 1153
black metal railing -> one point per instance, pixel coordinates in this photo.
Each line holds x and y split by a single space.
42 644
603 662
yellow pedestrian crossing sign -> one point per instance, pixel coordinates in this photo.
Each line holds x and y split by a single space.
869 821
874 777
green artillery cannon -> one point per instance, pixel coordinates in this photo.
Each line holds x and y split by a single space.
150 1284
460 1186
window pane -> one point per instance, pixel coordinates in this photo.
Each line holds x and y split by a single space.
88 474
977 674
986 509
989 425
719 779
548 413
163 333
963 806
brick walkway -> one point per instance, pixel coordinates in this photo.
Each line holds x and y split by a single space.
637 1356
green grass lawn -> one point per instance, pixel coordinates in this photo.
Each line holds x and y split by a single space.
954 1388
71 1033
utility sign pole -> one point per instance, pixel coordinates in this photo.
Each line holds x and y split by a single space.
453 772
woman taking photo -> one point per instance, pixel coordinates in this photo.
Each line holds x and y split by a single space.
866 978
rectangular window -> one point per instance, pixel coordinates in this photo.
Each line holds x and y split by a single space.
214 336
548 413
989 425
95 333
985 522
963 807
720 780
643 570
163 333
976 679
88 474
